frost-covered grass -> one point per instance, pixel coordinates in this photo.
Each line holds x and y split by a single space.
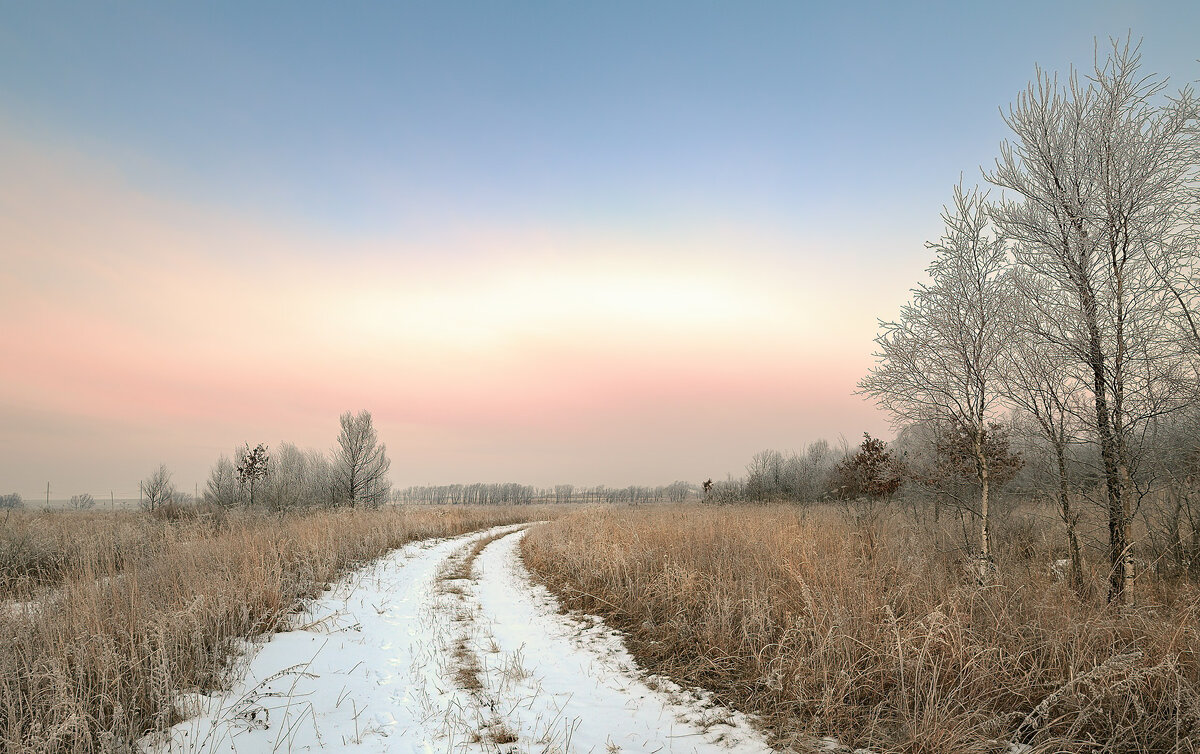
872 630
41 549
109 618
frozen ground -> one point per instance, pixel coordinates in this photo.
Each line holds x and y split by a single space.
447 646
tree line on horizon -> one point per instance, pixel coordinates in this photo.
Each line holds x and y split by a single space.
510 493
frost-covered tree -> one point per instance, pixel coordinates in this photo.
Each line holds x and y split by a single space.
563 493
1101 177
940 361
82 502
800 477
298 478
764 475
1045 385
222 486
360 463
677 492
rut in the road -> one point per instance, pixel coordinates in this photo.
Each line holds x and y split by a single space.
467 641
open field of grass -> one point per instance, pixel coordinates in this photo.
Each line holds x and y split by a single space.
41 549
107 618
871 630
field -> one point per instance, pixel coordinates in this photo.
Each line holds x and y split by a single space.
817 625
870 630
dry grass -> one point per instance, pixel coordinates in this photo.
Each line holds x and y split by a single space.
40 550
821 623
129 611
466 666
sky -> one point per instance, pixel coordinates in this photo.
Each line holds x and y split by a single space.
591 243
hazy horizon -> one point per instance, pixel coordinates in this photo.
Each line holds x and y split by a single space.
543 244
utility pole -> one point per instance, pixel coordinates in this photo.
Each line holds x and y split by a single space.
47 494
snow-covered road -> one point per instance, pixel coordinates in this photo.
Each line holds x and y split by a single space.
448 646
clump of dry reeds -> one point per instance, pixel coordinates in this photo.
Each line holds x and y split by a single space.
107 618
882 637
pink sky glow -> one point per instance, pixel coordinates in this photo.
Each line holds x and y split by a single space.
140 329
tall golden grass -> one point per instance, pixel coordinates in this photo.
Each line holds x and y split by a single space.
115 615
40 549
872 630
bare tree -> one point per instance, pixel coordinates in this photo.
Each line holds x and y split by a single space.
284 484
158 489
82 502
11 501
1175 521
940 361
361 463
764 475
222 486
1039 379
1101 173
678 491
801 477
297 478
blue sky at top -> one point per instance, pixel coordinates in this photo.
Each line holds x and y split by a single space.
367 118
